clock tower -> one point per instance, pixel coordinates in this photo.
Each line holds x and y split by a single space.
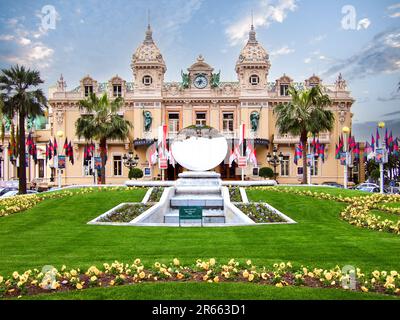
200 74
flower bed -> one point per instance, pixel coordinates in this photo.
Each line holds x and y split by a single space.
21 203
125 213
358 211
33 282
260 213
234 194
156 194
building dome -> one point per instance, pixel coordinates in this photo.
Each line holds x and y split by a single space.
147 53
253 53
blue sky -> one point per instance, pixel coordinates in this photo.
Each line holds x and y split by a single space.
303 37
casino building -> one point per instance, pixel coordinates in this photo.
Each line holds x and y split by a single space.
199 98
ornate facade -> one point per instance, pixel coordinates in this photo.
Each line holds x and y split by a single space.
199 98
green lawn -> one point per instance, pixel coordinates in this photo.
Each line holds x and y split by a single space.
202 291
55 233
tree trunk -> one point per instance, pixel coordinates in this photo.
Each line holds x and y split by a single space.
21 155
303 140
103 143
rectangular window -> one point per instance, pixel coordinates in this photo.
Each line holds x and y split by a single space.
117 165
299 171
41 168
285 166
314 168
227 122
284 89
117 90
87 168
201 118
173 122
88 90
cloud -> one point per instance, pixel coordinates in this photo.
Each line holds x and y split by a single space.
267 14
6 37
307 60
392 97
363 24
391 114
380 55
24 41
34 56
363 130
282 51
318 39
394 7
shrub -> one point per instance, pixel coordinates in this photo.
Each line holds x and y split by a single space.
266 173
135 173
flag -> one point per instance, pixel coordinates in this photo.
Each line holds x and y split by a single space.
232 157
66 146
390 141
377 137
162 141
298 154
153 156
34 153
337 152
372 143
321 152
50 150
251 154
55 147
47 152
10 150
70 153
356 152
396 147
170 157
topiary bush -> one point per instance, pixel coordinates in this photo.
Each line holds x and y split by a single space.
266 173
135 173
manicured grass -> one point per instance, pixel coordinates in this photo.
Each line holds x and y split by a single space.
393 204
55 233
205 291
386 215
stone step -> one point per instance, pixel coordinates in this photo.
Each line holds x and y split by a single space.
197 190
197 201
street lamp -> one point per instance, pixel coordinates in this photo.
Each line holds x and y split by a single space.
381 125
346 131
274 159
130 161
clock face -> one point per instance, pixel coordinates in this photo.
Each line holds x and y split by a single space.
200 82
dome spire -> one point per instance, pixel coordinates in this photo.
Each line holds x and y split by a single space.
252 33
149 32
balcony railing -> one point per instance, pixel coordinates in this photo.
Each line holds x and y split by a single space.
288 138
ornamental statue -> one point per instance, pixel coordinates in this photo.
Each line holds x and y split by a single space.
148 120
185 80
215 79
254 120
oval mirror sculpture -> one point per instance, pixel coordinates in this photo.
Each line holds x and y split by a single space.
199 148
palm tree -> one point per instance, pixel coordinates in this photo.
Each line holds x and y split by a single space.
305 113
102 123
21 100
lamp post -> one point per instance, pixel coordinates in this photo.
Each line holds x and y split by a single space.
59 134
130 161
346 131
274 159
381 125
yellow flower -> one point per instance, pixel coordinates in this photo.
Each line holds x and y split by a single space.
248 262
74 273
142 275
282 265
205 278
1 279
112 282
216 279
93 278
79 286
245 274
328 276
179 275
364 289
264 276
137 261
157 265
212 262
176 262
15 275
279 285
251 277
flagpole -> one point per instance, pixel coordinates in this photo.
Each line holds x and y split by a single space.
308 155
345 131
381 125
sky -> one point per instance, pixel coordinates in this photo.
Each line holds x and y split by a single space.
359 38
